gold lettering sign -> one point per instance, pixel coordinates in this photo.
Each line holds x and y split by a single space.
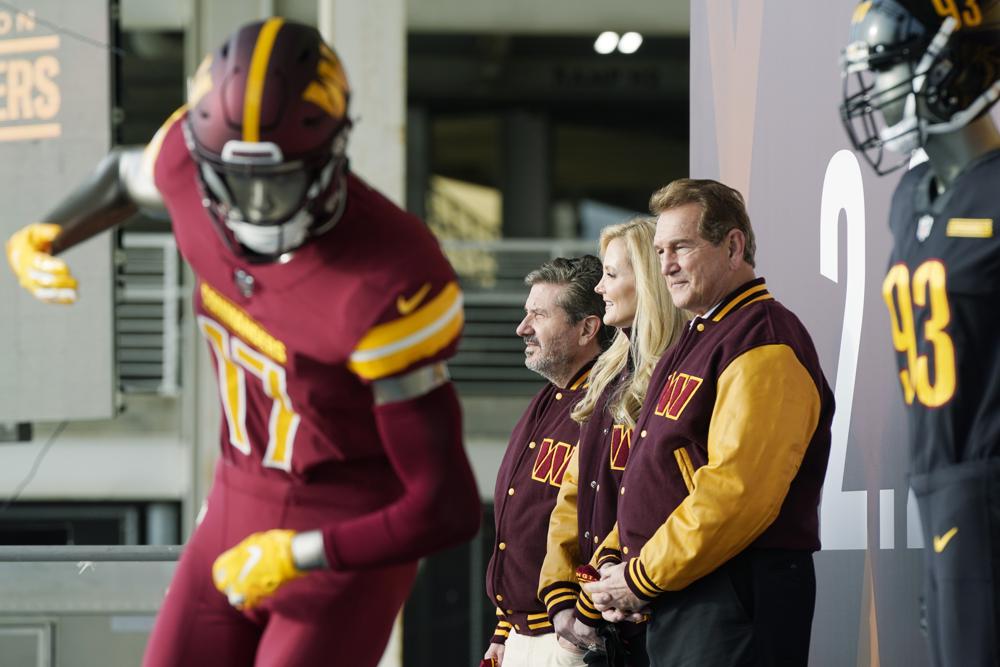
30 98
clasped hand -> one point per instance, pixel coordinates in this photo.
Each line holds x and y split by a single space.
613 598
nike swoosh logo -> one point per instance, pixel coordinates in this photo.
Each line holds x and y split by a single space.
407 306
252 560
941 542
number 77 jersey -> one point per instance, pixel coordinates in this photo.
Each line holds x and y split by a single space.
942 290
296 343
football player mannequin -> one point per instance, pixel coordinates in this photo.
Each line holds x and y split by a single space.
329 313
923 74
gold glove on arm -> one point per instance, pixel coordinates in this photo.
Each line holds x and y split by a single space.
46 277
256 567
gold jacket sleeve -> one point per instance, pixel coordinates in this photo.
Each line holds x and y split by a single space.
766 411
557 586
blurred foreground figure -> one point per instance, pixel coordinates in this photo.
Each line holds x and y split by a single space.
329 313
920 77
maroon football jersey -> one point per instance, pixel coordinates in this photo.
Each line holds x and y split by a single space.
296 344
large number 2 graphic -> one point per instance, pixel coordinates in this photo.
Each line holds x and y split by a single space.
843 523
234 359
844 513
928 290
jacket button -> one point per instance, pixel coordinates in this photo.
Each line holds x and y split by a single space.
596 540
510 491
531 445
559 396
593 484
643 434
622 491
499 598
517 627
502 546
624 551
700 327
587 534
510 611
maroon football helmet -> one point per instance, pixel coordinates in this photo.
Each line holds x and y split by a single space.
267 124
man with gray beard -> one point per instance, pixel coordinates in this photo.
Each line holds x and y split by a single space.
563 334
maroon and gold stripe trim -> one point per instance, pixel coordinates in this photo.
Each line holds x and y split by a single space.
539 621
755 291
559 596
580 381
608 555
639 581
586 611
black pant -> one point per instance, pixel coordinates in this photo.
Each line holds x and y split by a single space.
960 516
625 645
754 611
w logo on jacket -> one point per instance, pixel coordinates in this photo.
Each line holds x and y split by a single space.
677 394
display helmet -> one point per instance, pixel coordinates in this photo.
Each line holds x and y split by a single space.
916 68
267 126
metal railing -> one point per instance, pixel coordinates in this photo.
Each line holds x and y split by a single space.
490 360
84 554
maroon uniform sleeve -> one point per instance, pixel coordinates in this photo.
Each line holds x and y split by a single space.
440 503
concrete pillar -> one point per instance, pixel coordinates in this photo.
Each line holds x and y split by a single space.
418 161
370 38
161 524
214 21
526 180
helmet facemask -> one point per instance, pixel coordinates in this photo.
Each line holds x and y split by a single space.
886 143
901 85
268 206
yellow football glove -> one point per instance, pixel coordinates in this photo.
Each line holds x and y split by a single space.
46 277
256 567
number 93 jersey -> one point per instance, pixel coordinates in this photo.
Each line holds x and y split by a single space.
943 294
296 344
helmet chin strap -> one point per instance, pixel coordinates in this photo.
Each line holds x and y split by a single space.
968 114
272 239
334 207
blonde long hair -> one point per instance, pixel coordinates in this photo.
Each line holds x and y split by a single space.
657 325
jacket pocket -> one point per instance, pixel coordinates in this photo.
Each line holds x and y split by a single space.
686 467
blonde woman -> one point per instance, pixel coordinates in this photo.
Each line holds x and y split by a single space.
638 304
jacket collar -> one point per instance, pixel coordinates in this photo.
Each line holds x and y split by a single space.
744 295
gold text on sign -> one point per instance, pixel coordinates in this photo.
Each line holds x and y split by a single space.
17 22
30 98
